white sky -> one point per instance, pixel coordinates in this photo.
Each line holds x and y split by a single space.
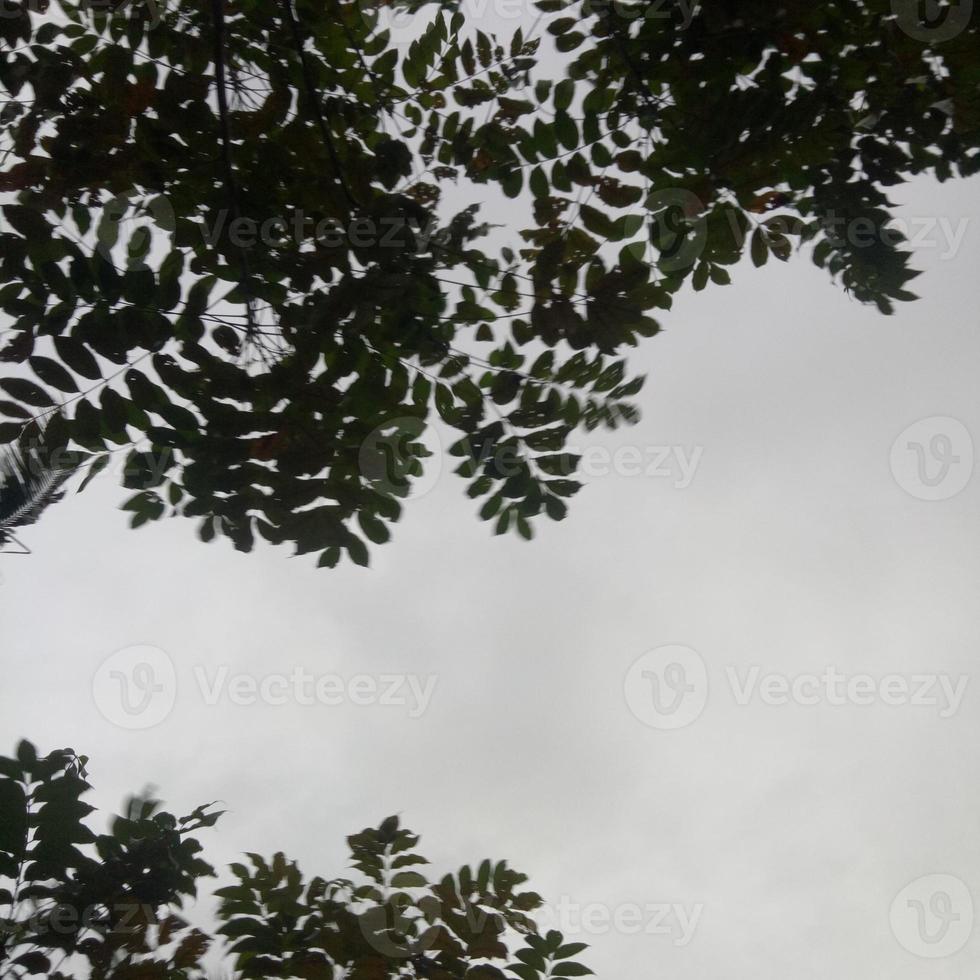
793 828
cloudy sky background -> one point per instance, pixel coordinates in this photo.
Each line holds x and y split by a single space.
794 548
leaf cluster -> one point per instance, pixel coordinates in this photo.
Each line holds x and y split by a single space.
282 389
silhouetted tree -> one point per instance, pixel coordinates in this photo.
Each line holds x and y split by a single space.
31 478
229 241
108 906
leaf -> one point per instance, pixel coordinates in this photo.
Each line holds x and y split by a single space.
572 949
570 969
14 826
169 290
491 507
13 410
28 221
33 962
512 183
404 860
780 246
524 528
445 403
539 183
94 469
564 91
77 356
597 222
52 373
566 131
409 879
329 558
760 249
357 551
374 530
22 390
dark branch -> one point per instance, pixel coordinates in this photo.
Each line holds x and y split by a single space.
314 101
218 17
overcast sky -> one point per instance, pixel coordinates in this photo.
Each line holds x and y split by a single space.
780 834
754 801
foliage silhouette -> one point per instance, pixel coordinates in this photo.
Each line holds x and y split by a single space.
77 904
31 479
233 241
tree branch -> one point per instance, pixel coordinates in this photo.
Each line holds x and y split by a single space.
218 18
311 96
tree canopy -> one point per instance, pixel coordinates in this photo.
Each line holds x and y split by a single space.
108 906
251 244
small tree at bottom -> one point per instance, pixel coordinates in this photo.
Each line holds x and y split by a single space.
74 903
